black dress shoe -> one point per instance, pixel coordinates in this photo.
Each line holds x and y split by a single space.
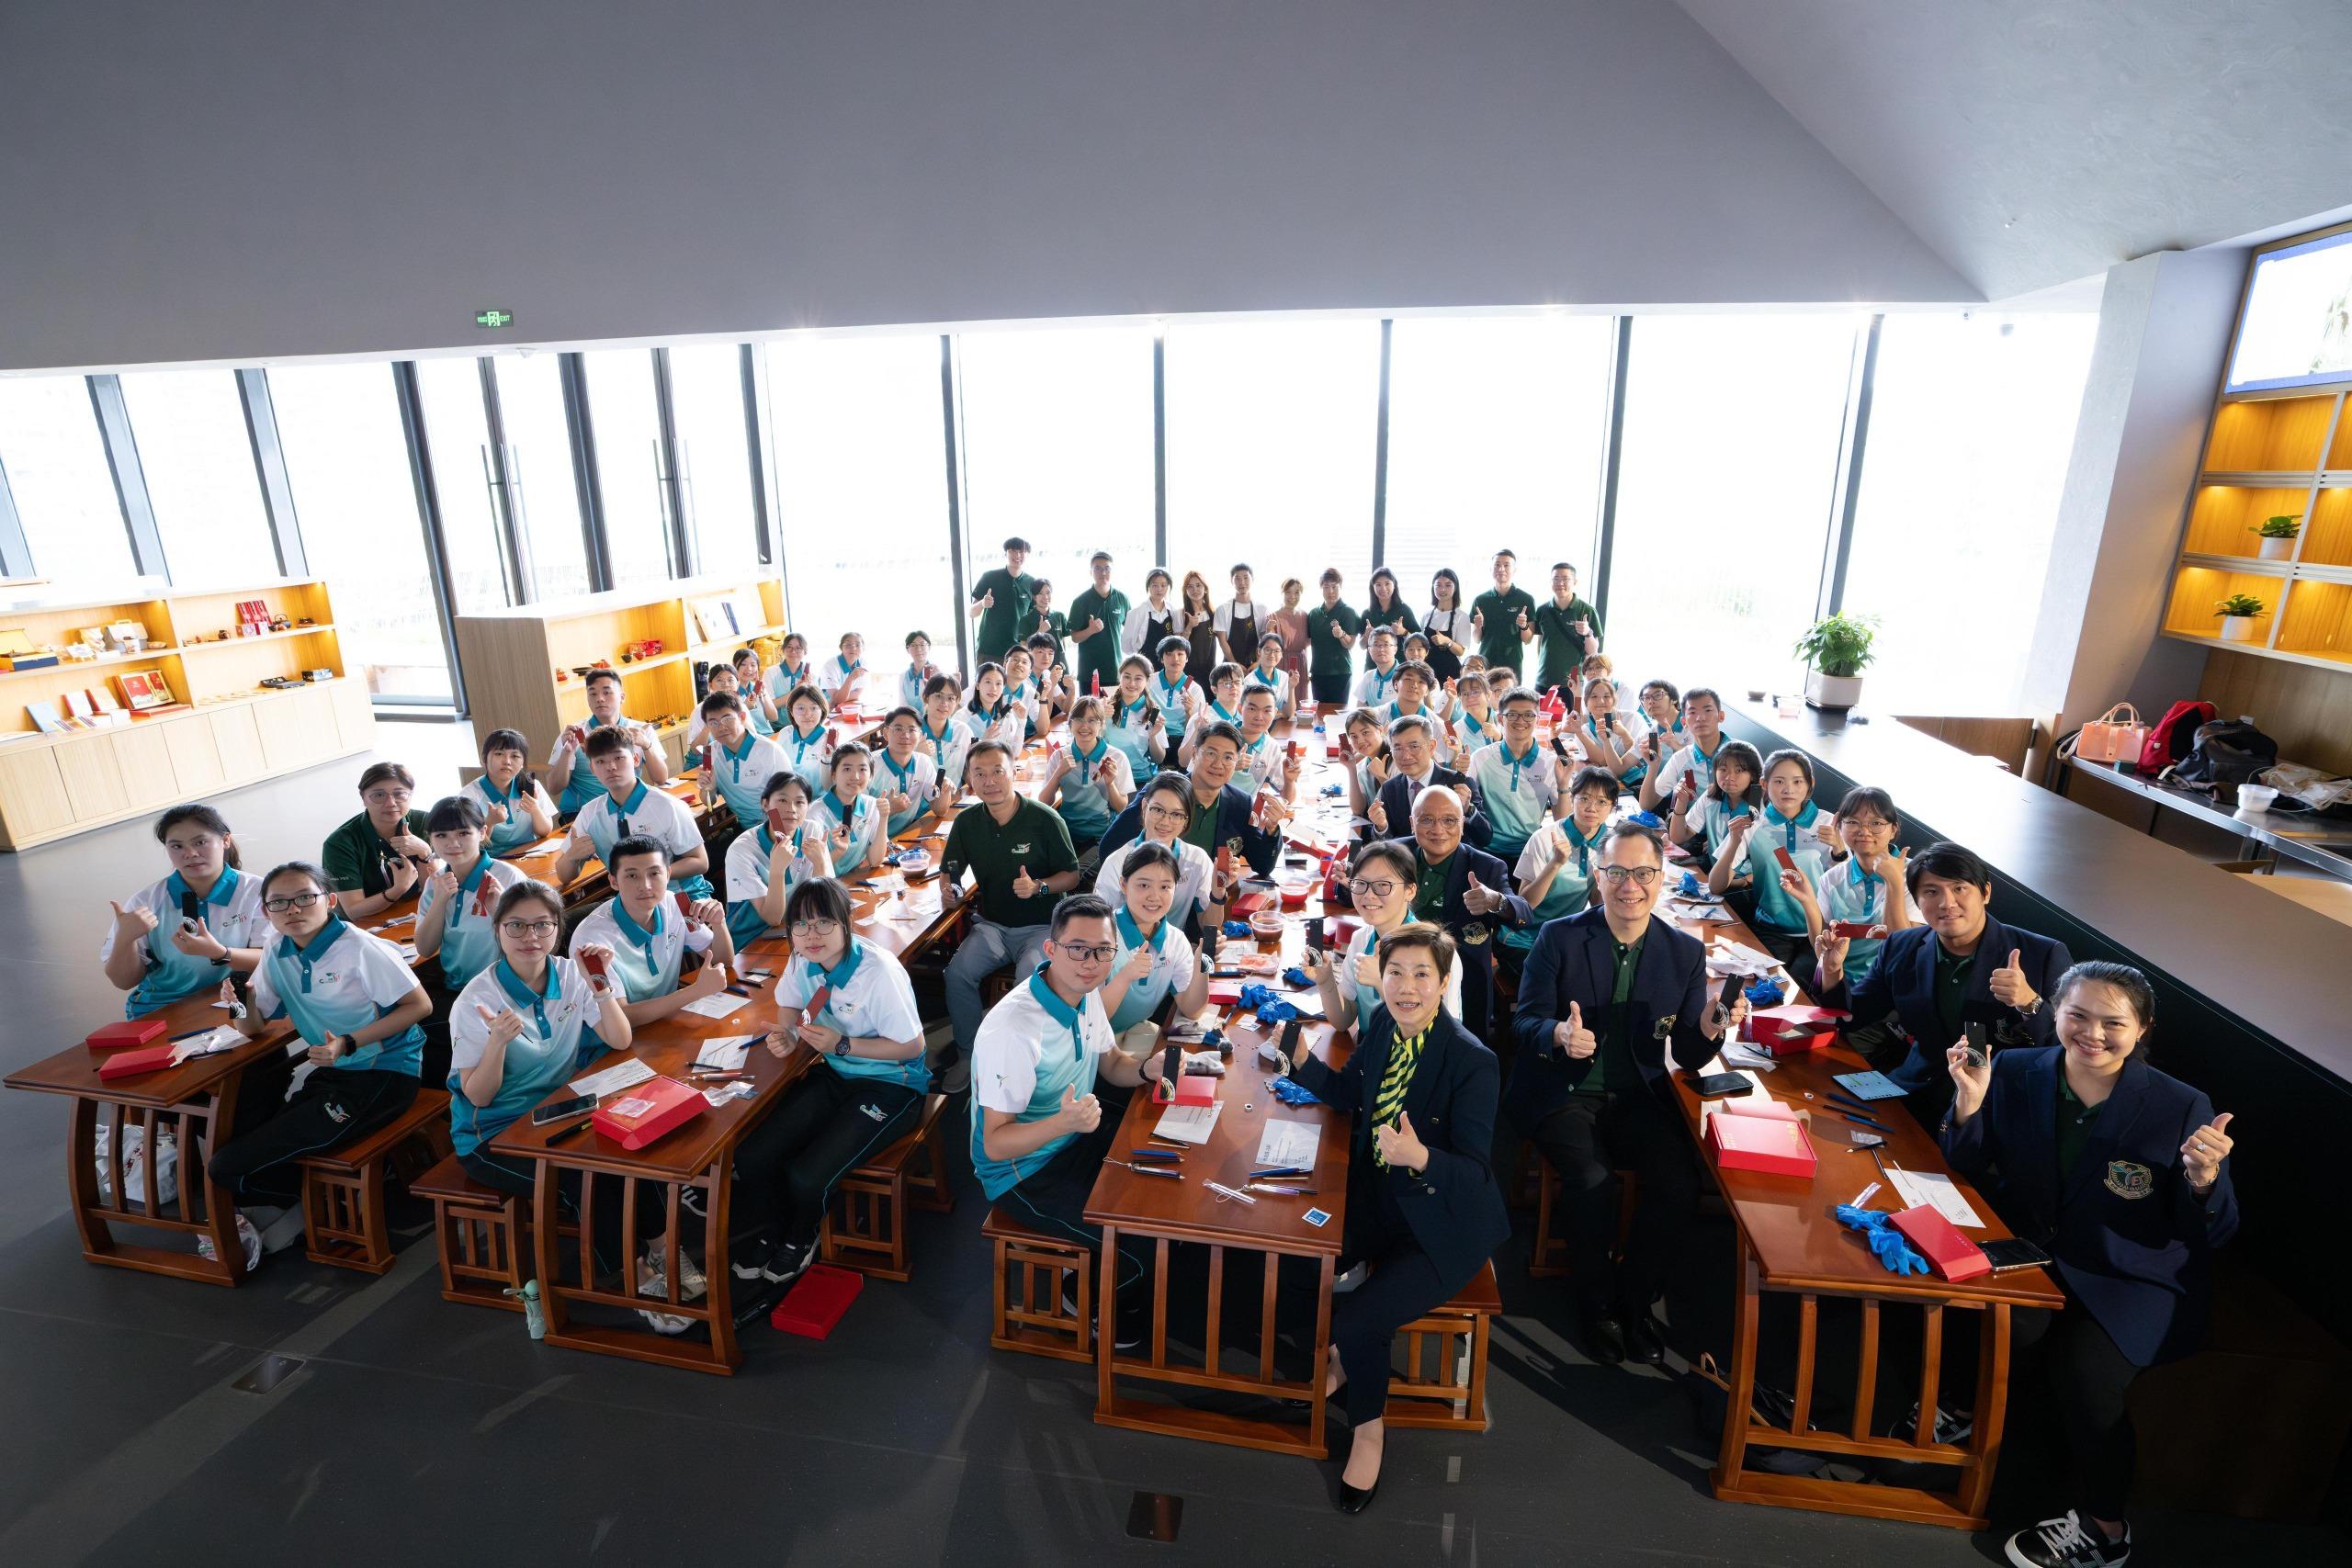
1356 1499
1643 1342
1604 1338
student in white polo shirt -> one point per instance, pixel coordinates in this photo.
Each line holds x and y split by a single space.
1167 813
631 808
942 730
842 677
791 672
805 738
1038 1131
765 864
651 936
1269 673
1555 868
865 1030
1154 961
851 818
1417 690
453 913
517 811
1090 781
357 1009
1702 723
185 933
1518 780
1173 692
1377 687
920 672
1791 821
570 761
905 780
736 763
1135 725
1266 760
1736 790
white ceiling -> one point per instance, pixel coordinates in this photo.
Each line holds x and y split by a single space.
2029 144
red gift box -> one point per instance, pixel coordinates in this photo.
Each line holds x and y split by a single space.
1244 905
131 1064
1224 993
1772 1141
1939 1242
670 1105
1787 1031
816 1300
129 1031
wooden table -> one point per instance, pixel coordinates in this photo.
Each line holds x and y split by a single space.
2330 898
698 1155
1791 1241
197 1099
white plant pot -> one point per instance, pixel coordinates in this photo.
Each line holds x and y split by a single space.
2237 628
2278 549
1835 693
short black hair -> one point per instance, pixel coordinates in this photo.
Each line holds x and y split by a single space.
1400 859
295 868
1147 853
1331 574
902 710
1037 582
1672 693
1240 566
506 740
2132 982
1696 692
604 742
1868 798
530 890
1168 644
1076 907
1507 555
637 844
821 897
1422 935
991 747
602 672
1418 670
1016 543
782 779
1790 754
942 683
1098 556
721 702
455 814
1591 777
1216 730
911 636
1951 862
1626 828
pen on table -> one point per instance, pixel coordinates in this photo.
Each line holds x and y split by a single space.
1279 1191
189 1035
1848 1100
571 1132
1866 1121
1281 1170
1163 1155
1148 1170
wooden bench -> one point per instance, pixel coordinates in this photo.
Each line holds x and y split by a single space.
481 1235
1443 1382
1038 1323
342 1188
865 1219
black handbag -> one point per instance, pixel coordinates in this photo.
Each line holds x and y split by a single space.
2229 752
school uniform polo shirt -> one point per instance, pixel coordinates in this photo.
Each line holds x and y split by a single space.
1700 765
1499 613
948 748
1171 966
231 907
1374 686
341 980
1851 895
1713 817
582 781
807 754
1558 842
505 838
645 959
356 860
649 812
743 773
1277 682
1029 1048
748 859
834 673
1774 907
1129 731
1035 836
1518 791
1085 806
1263 760
468 937
782 680
868 996
558 1036
918 783
911 681
862 817
1193 870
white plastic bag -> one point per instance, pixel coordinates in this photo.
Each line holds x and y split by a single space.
134 1161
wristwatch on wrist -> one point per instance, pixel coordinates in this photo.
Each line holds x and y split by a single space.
841 1046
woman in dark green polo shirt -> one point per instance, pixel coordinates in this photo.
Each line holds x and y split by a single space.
372 861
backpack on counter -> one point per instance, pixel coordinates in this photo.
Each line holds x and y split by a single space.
2170 738
2228 752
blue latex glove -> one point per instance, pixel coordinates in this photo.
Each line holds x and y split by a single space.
1647 819
1333 792
1763 992
1291 1093
1297 978
1238 930
1887 1244
1692 887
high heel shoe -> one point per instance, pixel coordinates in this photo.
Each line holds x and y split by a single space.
1356 1499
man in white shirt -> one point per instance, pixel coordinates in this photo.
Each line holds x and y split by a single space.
630 807
650 935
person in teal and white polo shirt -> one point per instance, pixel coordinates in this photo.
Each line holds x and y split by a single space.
571 760
850 1004
1702 725
806 739
1155 962
1791 821
357 1010
1135 725
905 779
1090 780
1866 888
767 863
736 763
631 808
1382 884
1038 1131
1737 791
453 913
651 936
851 817
185 933
943 729
1517 779
517 811
1555 869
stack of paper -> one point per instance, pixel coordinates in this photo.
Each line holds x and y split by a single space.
611 1081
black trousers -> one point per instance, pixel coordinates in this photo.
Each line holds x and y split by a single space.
2090 1379
786 1166
1402 1284
1330 687
1054 1199
517 1176
333 1104
1588 1141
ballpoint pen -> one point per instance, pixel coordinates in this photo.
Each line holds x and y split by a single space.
1280 1170
1865 1121
1148 1170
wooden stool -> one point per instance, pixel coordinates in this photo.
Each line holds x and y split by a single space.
1037 1325
1548 1259
482 1235
342 1188
1453 1391
866 1220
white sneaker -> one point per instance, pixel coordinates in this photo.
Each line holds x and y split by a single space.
652 1282
248 1238
2064 1542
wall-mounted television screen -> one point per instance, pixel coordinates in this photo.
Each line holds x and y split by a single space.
2296 328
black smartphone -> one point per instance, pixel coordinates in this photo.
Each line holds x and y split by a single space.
1729 993
1210 937
562 1109
1978 1055
1715 1086
1561 747
1291 1032
1315 937
1171 1067
2013 1252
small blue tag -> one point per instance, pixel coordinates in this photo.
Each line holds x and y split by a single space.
1318 1218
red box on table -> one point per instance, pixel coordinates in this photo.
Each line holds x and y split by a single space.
1774 1142
1939 1242
672 1106
1791 1030
131 1064
129 1031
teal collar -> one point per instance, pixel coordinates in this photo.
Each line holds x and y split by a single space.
737 755
840 974
223 888
636 799
1060 1011
637 935
522 995
309 954
1132 934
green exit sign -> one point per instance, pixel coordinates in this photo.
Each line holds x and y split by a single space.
494 317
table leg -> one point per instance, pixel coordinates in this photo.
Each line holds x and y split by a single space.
1734 1455
547 1225
1992 1410
720 1277
1317 1406
220 1203
1106 1327
82 1181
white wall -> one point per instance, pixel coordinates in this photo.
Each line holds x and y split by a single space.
243 179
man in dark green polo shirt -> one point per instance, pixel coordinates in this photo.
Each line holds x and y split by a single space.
1570 630
1331 632
1001 603
1501 614
1096 619
1020 856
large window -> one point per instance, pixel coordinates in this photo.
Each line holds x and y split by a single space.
1725 493
862 481
1970 430
56 464
626 416
1057 450
339 426
1496 434
530 402
715 455
456 434
1271 431
190 427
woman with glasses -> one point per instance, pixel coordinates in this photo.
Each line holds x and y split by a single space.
209 911
1861 899
358 1010
1167 813
1154 961
1382 884
851 1006
375 859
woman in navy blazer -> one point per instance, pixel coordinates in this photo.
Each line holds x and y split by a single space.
1424 1212
2120 1173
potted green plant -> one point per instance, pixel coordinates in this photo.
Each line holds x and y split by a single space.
2238 612
2278 535
1835 649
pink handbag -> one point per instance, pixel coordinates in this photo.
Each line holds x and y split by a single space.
2116 736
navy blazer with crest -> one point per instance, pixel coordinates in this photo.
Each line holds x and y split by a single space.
2133 1243
1258 846
1474 935
1575 960
1398 795
1455 1207
1902 986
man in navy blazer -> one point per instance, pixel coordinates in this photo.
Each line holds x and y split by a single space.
1612 1001
1412 747
1468 892
1214 760
1961 967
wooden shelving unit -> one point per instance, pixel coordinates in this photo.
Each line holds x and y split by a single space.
233 731
511 656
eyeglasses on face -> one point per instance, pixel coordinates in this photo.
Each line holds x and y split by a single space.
530 927
814 928
1090 952
1640 876
1363 887
281 903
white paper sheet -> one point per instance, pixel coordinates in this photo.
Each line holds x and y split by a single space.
1188 1124
725 1052
719 1004
1937 1191
219 1039
611 1079
1289 1143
